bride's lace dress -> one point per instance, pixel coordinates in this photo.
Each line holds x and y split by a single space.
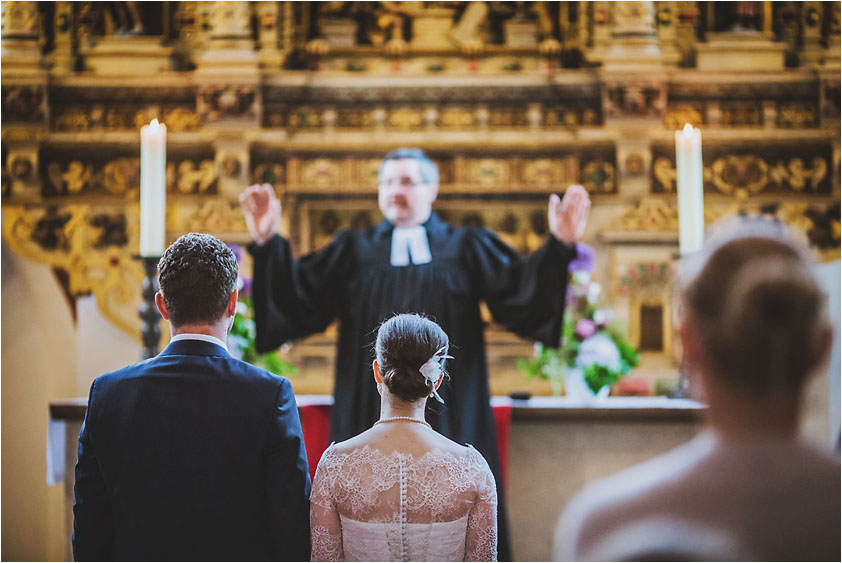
371 506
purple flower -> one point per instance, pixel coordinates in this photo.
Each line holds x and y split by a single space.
585 328
584 258
244 285
238 252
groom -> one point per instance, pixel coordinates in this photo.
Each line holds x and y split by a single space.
192 455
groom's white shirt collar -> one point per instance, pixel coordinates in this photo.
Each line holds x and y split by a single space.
195 336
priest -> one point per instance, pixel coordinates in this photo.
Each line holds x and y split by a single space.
412 262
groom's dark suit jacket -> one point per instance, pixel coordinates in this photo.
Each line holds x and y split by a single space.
191 455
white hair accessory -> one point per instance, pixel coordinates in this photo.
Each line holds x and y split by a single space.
432 371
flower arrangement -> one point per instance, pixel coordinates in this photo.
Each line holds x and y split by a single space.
590 341
241 339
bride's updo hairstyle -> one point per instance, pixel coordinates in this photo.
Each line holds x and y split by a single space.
404 344
756 307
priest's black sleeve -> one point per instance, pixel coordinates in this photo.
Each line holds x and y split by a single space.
526 295
296 298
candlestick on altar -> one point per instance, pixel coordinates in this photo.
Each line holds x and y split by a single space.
689 180
150 330
153 206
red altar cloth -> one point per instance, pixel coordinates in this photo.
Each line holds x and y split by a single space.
315 425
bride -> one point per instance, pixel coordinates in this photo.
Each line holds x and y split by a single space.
400 491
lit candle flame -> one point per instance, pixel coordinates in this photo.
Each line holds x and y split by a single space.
154 122
688 129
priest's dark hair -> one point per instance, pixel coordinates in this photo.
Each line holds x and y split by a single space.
429 170
405 343
197 274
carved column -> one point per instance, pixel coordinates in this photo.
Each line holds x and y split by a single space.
668 25
268 18
229 96
832 52
24 92
230 47
634 38
62 55
21 37
601 35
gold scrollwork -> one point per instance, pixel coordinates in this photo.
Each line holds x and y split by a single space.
797 175
739 175
367 171
651 215
109 272
405 118
679 115
121 174
181 118
321 173
489 172
74 179
267 173
217 216
72 120
457 117
193 179
598 176
542 173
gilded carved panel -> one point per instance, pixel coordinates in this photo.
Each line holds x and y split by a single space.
740 173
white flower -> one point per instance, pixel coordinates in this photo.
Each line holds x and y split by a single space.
581 277
593 293
602 316
599 349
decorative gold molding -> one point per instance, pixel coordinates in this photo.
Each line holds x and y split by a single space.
110 272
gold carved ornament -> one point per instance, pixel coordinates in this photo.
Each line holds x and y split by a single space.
744 175
109 272
74 179
679 115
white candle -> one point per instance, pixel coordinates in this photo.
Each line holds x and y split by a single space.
691 205
153 188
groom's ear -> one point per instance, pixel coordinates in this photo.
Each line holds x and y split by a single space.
162 306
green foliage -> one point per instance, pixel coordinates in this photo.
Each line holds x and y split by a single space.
597 376
243 335
553 363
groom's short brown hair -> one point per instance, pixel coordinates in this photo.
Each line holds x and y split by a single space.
197 274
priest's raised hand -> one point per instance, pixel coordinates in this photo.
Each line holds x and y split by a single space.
262 210
569 216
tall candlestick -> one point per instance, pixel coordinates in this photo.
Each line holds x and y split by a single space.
153 188
691 205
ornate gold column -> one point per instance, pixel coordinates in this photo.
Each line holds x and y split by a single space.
667 19
634 38
230 46
62 55
229 94
21 37
268 18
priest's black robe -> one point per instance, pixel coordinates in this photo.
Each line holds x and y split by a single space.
352 279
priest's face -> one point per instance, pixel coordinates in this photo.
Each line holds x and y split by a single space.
404 198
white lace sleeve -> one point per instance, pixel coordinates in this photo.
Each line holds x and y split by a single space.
325 528
481 540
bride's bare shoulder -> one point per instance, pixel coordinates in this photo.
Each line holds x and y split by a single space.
445 444
351 444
